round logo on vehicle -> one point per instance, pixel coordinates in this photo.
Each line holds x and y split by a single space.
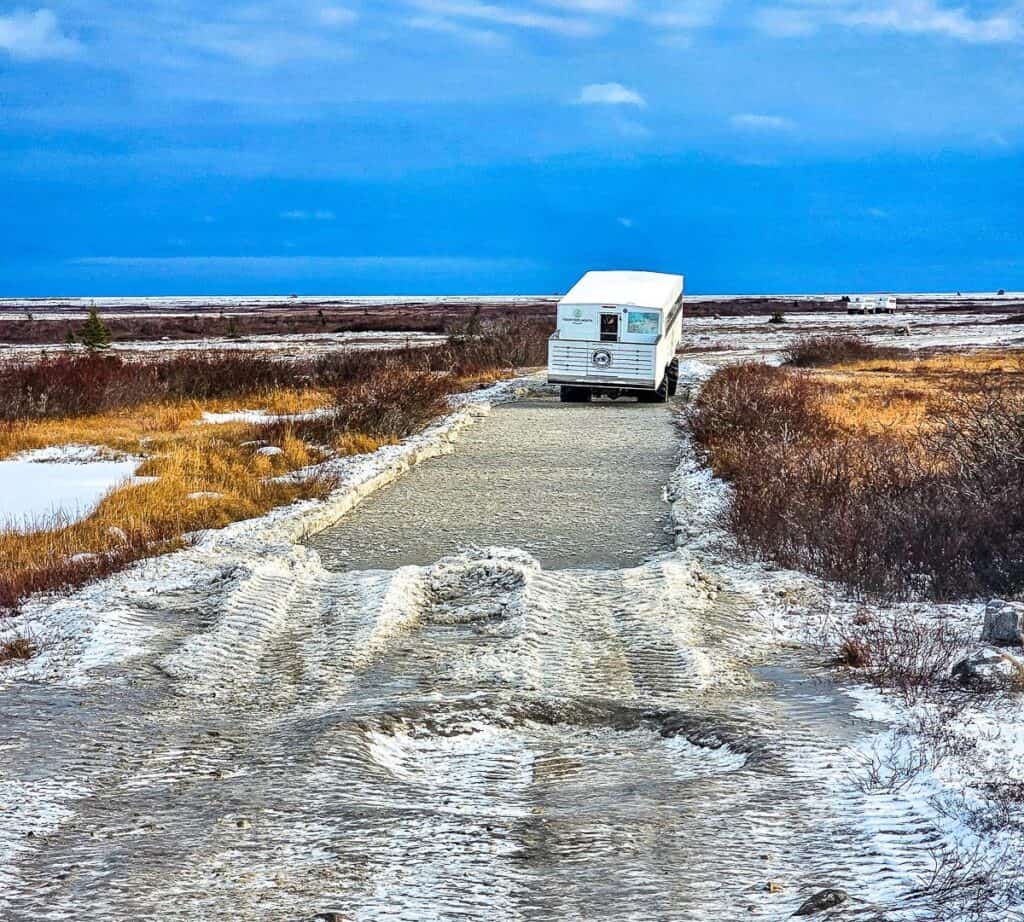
602 358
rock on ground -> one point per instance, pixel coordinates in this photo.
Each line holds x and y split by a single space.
989 668
1004 623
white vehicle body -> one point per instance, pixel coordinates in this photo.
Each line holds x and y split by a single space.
872 304
617 332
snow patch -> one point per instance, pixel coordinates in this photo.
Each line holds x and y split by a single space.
63 484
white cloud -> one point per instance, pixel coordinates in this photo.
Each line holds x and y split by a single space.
35 36
600 7
484 37
609 94
569 26
924 16
336 15
320 214
259 46
570 18
753 122
693 14
912 17
626 222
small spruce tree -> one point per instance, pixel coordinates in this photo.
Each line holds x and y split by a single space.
95 334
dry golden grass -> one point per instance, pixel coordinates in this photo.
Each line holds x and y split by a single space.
903 396
131 430
205 478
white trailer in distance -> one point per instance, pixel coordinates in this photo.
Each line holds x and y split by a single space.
872 304
617 335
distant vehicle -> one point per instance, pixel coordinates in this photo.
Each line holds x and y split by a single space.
872 304
617 335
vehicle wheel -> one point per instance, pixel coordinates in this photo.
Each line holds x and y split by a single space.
570 394
672 376
658 396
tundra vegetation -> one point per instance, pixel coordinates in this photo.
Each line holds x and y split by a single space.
194 475
128 324
900 475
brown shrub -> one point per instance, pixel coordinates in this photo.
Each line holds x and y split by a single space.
66 384
19 648
388 404
902 652
885 515
817 351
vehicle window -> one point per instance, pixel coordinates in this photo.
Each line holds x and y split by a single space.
609 328
643 322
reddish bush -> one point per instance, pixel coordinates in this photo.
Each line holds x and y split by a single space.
817 351
882 515
71 384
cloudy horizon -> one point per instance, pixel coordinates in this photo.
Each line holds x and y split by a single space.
463 146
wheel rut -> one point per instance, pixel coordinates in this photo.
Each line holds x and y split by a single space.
492 692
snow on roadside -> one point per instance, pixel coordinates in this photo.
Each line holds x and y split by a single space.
94 627
62 483
922 767
265 416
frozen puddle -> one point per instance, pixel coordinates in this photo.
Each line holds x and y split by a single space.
61 483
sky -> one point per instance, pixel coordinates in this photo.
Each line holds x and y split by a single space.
485 146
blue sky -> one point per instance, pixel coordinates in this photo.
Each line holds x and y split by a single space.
463 146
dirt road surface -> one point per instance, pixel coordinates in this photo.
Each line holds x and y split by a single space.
493 692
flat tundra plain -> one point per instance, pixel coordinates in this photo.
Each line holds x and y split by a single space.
527 677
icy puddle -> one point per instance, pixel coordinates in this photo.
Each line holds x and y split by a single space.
68 482
574 485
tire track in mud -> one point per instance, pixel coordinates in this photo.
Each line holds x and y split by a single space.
481 737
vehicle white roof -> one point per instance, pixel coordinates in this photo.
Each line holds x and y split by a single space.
636 289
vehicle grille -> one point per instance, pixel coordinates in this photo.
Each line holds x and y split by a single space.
576 359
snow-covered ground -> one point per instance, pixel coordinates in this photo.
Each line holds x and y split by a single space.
60 484
479 737
754 336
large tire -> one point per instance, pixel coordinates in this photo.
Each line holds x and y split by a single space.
658 396
672 376
570 394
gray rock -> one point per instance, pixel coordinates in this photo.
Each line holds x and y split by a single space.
1004 623
824 899
989 668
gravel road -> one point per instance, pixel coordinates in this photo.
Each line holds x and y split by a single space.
387 725
574 485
